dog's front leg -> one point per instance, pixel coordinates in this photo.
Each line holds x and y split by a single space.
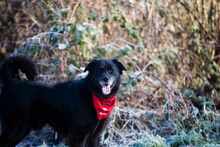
94 138
74 141
91 141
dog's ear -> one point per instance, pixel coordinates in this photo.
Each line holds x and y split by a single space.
91 65
119 65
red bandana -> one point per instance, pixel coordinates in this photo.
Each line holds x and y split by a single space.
103 106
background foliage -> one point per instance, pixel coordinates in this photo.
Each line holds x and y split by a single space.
171 48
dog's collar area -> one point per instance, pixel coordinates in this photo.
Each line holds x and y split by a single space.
103 106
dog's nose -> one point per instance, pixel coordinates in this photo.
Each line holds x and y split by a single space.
105 79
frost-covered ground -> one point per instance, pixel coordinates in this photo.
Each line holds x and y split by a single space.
40 138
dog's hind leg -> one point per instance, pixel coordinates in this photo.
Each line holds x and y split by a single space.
11 142
0 127
4 142
11 137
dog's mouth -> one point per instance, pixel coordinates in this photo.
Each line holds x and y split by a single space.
106 90
106 85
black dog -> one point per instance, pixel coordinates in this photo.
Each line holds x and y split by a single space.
77 110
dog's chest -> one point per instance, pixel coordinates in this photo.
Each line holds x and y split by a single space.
85 116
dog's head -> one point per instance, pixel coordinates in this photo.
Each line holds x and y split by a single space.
104 76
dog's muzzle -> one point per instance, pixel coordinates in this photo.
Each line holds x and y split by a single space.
107 85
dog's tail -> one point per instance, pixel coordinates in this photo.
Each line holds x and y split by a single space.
9 69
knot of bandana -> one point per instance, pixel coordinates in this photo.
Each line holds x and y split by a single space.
103 106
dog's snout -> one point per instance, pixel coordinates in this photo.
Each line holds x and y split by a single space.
105 79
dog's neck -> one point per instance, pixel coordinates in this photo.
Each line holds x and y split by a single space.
103 106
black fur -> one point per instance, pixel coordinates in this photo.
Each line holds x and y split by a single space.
67 107
10 67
